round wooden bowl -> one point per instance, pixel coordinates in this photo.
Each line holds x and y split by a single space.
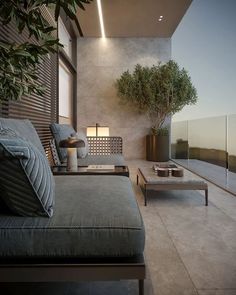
163 172
177 172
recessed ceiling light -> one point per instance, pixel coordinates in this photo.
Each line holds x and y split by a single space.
161 16
99 5
160 19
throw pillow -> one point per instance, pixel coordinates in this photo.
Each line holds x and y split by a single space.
61 132
25 175
25 129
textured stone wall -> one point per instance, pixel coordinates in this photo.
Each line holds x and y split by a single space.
100 63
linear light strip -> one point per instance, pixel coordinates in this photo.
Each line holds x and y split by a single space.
101 18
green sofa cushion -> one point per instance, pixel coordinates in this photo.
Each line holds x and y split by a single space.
95 216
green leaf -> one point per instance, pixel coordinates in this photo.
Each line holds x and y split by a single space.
22 53
19 62
80 5
49 30
5 45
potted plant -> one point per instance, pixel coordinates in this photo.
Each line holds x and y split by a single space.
158 91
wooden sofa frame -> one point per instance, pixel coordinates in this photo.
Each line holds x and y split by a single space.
73 270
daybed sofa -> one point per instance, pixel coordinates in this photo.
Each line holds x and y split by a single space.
97 150
96 231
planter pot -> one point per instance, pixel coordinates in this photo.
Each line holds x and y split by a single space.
157 148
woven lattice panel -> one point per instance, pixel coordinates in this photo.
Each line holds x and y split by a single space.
105 145
52 154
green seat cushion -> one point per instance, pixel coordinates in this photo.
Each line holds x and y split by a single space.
94 216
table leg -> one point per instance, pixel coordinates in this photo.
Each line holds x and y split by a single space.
137 179
141 287
206 197
145 195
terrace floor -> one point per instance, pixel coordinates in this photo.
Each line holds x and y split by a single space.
190 248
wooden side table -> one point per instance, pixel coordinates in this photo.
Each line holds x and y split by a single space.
82 170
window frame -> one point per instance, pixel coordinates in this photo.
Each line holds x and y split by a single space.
71 64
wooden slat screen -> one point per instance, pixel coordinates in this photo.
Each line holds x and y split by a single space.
41 111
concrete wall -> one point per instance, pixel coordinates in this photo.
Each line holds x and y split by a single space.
100 63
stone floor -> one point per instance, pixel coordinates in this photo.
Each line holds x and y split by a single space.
190 248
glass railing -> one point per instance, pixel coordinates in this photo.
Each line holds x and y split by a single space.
207 147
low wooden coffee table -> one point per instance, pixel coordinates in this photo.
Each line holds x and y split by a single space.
148 180
82 170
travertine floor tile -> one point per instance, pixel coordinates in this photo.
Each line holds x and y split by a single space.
202 238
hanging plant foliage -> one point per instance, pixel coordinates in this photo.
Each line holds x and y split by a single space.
19 61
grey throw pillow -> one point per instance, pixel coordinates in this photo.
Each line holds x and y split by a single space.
82 152
25 176
61 132
25 129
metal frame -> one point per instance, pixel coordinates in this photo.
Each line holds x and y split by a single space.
74 271
172 186
71 64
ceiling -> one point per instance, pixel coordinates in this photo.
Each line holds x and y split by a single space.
133 18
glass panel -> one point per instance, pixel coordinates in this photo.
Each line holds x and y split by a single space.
65 38
207 140
179 140
232 142
231 145
65 93
207 147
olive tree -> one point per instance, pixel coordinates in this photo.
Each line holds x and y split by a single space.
158 91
